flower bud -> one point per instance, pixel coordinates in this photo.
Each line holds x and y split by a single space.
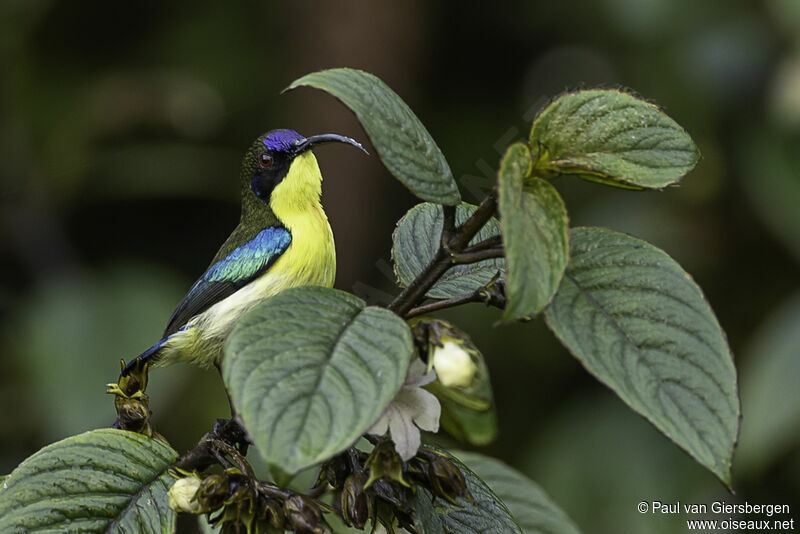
454 366
182 495
334 472
133 414
385 462
213 492
445 477
356 503
450 351
304 516
272 513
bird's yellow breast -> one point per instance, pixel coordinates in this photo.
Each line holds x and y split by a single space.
310 259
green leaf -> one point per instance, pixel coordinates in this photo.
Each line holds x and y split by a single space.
638 322
535 233
613 138
417 238
100 481
531 507
769 391
311 369
485 515
404 145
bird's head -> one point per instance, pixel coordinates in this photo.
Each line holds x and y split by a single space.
280 171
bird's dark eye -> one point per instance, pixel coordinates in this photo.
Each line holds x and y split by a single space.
265 160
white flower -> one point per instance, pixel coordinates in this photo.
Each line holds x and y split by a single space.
412 407
453 365
181 495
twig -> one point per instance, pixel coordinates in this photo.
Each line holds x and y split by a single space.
477 255
491 295
492 242
272 491
416 290
452 244
441 305
475 222
448 223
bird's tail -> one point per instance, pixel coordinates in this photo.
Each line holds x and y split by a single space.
151 355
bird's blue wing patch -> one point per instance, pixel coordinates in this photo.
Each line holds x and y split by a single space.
224 277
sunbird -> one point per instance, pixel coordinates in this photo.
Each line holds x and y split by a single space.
283 240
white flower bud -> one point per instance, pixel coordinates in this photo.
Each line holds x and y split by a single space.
453 365
181 495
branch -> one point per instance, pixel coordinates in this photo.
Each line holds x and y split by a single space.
416 290
441 305
491 295
226 439
473 256
453 242
475 222
448 223
493 242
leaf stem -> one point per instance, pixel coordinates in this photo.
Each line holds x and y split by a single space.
453 243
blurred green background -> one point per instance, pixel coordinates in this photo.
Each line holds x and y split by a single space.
121 132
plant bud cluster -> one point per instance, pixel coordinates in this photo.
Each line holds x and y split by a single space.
380 487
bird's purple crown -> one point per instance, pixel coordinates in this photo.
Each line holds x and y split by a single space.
281 140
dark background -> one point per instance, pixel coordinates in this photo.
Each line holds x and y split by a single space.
121 133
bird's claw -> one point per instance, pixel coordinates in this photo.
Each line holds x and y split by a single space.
131 402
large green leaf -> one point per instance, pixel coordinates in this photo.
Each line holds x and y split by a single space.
311 369
535 233
486 514
532 508
100 481
611 137
402 142
770 394
417 238
639 323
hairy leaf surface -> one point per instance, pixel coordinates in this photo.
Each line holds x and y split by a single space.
639 323
535 233
404 145
109 481
613 138
417 238
485 515
311 369
532 508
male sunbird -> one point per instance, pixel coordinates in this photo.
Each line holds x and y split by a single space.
283 240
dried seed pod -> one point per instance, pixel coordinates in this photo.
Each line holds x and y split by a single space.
356 502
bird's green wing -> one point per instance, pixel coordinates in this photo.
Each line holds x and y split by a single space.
227 275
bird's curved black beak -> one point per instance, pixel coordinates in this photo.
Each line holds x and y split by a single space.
314 140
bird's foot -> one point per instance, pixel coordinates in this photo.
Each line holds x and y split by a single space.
132 379
131 402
